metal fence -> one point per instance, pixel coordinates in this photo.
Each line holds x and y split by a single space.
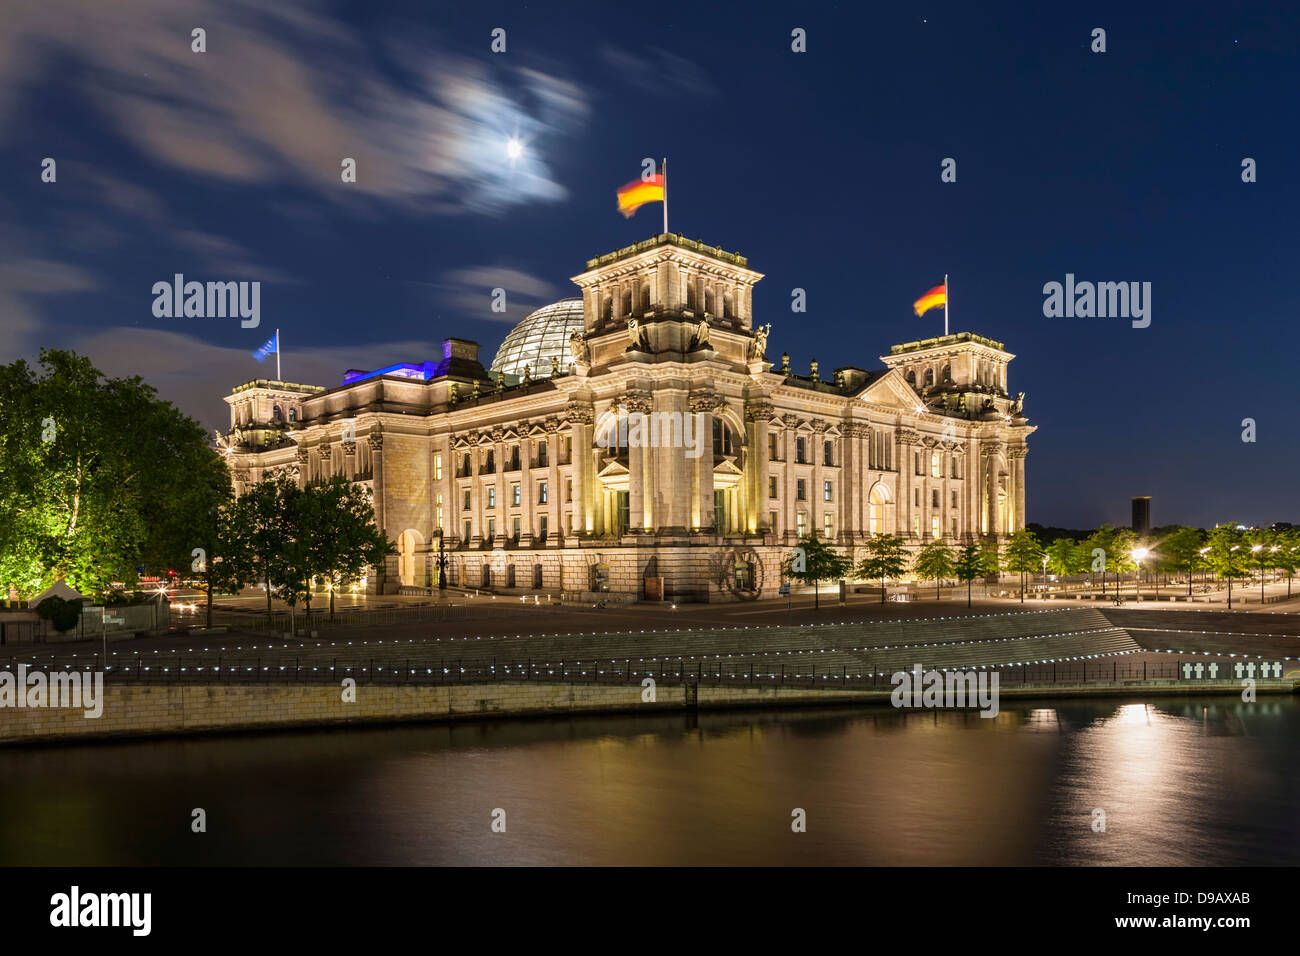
248 669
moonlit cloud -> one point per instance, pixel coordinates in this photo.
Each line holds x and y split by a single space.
282 96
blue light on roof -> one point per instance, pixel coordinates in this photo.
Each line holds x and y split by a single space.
422 371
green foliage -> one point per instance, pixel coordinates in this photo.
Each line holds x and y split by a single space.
97 475
1180 552
286 536
886 558
970 563
1024 553
1228 551
814 560
934 562
1066 556
59 612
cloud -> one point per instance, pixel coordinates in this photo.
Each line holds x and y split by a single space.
469 292
283 95
658 70
23 278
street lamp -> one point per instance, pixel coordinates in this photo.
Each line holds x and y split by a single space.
1138 555
1258 551
1235 547
1044 575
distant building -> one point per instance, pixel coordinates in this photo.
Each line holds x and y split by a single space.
1142 515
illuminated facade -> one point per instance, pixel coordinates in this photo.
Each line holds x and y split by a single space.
665 456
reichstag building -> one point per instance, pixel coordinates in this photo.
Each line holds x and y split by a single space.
636 441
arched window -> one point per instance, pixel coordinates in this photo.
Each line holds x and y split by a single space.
293 414
876 502
723 443
929 377
911 378
276 414
947 375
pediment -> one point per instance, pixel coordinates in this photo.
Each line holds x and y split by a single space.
891 390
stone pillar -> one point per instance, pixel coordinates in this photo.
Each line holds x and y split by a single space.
702 468
757 416
554 493
637 408
1019 462
581 418
527 494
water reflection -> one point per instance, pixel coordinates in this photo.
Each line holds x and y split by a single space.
1184 781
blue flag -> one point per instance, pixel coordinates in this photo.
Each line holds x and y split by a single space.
270 348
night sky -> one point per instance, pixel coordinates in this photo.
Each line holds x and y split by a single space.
822 167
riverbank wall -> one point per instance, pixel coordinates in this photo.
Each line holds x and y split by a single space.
146 710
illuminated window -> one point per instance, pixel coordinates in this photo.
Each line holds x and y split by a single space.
801 451
514 495
467 500
935 527
437 468
492 497
541 493
936 464
828 525
826 491
802 524
438 520
771 448
828 456
541 454
492 528
800 490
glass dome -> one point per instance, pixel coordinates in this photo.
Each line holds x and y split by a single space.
541 336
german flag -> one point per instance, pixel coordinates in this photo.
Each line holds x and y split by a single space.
935 297
641 191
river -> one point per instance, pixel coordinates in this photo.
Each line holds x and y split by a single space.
1181 781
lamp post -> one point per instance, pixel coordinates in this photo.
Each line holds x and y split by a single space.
1138 555
1235 547
442 562
1044 592
1202 552
1258 551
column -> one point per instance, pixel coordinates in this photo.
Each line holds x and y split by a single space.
527 495
636 454
702 492
554 493
1020 488
581 465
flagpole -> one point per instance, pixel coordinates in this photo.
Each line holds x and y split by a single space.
277 350
665 195
945 303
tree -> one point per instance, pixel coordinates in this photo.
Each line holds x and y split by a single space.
1262 542
1065 557
1181 551
263 515
934 562
971 564
343 539
90 473
814 561
1227 553
1024 553
886 558
1288 555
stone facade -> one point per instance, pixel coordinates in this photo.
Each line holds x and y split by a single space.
666 447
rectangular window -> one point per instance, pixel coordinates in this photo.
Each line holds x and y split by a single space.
954 499
568 450
800 451
934 497
936 464
467 535
954 527
828 457
802 524
438 522
771 521
826 491
492 529
771 486
828 525
800 490
916 462
934 526
568 489
771 448
514 495
437 468
541 454
541 493
467 500
916 525
544 527
954 466
916 497
515 530
492 496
